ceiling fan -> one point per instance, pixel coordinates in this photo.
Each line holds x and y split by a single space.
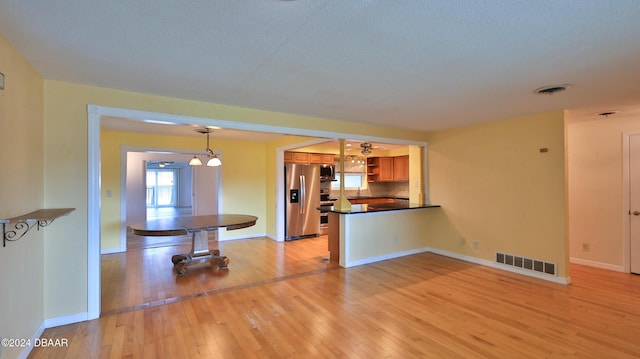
366 148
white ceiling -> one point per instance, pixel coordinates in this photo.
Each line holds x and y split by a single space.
423 65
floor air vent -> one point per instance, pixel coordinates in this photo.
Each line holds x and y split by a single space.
526 263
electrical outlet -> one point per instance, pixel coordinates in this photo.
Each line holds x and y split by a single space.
586 247
476 245
461 241
395 240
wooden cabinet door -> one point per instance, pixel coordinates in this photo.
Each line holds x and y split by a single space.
315 158
300 157
320 158
401 168
386 169
327 159
308 158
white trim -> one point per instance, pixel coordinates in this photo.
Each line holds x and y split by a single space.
66 319
93 215
244 236
27 350
385 257
112 250
487 263
50 323
123 203
607 266
190 120
626 206
280 205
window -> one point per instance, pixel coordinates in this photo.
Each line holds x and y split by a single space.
162 187
351 181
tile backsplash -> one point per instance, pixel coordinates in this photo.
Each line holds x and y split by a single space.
379 189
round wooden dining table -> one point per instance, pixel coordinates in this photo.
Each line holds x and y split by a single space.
199 228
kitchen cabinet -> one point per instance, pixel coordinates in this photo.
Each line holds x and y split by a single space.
308 158
386 169
401 168
380 169
320 158
374 200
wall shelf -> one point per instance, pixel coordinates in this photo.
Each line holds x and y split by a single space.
16 227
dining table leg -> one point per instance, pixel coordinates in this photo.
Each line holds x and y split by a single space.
200 253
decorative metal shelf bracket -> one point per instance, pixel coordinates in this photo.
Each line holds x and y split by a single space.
15 228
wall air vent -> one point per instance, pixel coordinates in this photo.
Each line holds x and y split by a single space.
535 265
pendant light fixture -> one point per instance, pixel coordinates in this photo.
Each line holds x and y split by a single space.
213 161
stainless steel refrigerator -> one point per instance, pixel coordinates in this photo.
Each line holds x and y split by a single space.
302 199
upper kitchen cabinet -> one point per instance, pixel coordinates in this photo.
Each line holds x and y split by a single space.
320 158
308 158
388 169
401 168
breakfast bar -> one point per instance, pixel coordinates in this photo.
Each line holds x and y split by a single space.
369 233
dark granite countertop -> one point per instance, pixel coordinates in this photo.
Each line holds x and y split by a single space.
381 207
370 197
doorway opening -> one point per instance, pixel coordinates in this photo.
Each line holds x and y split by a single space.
168 189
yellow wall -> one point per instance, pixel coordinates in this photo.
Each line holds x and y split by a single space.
496 188
379 234
21 191
595 188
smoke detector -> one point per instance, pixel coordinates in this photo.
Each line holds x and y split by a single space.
550 90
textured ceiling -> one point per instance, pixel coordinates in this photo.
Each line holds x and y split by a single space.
423 65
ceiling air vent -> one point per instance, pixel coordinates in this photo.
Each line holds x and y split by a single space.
607 113
550 90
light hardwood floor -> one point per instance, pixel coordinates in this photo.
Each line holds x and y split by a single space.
279 300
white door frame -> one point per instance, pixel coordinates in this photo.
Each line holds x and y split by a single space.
94 115
626 185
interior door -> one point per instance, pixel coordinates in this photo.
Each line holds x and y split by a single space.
634 202
206 183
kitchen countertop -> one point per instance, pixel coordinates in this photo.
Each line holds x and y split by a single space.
370 197
381 207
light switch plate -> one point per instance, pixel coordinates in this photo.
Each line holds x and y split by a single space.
1 81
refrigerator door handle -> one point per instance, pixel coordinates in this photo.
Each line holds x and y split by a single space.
303 194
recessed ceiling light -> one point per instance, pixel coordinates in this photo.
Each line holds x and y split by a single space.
550 90
160 122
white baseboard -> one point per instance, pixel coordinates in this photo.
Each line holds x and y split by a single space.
595 264
246 236
27 350
484 262
112 250
50 323
385 257
66 319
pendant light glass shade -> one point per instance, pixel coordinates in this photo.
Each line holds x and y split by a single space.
213 161
195 161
